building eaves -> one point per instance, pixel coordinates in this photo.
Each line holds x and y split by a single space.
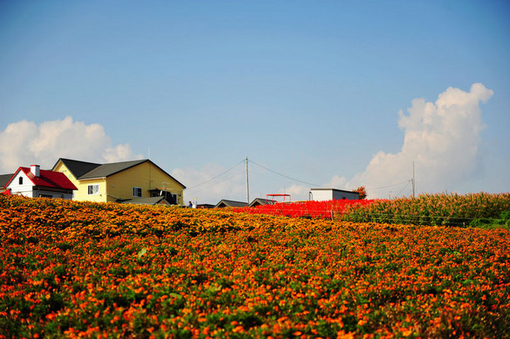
145 201
77 167
106 170
330 189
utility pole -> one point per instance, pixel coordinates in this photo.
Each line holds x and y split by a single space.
247 186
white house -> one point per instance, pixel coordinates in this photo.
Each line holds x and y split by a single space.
34 182
324 194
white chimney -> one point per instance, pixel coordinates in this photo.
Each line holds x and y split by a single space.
35 170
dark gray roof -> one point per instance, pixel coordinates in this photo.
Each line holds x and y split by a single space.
87 170
231 203
330 189
4 179
105 170
261 201
146 201
78 168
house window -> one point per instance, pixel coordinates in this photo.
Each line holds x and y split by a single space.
20 181
137 192
93 189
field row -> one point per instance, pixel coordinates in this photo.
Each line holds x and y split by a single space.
428 209
83 269
306 209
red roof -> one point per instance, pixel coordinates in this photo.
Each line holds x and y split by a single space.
46 179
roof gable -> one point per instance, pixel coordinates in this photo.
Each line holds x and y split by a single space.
106 170
77 167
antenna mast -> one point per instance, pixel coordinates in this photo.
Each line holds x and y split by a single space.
414 181
247 186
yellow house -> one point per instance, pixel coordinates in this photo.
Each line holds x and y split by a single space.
137 181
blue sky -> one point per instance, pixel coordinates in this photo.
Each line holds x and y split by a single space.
310 90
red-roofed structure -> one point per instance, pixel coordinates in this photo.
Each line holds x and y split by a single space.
34 182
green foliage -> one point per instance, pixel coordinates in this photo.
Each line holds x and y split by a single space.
475 210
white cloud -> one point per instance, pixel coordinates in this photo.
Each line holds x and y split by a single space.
212 183
336 181
442 138
24 143
297 192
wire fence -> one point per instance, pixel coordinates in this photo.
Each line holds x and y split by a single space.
425 220
389 218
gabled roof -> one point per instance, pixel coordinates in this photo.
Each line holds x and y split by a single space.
106 170
231 203
77 168
261 201
46 179
5 178
83 170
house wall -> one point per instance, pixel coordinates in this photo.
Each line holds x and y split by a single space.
338 195
145 175
331 194
25 189
51 194
322 195
82 193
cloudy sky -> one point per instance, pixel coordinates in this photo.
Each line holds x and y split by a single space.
316 94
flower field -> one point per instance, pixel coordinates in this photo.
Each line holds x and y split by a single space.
71 269
308 209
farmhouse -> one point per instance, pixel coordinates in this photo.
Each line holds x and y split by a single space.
324 194
261 201
34 182
230 203
134 181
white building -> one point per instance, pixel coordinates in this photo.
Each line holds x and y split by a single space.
33 182
324 194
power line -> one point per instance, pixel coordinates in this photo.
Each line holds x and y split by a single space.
234 175
283 175
403 188
219 175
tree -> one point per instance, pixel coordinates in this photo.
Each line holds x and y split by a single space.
362 192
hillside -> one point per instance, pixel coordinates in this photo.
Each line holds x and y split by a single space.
72 269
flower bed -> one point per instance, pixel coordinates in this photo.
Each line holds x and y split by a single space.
73 269
307 209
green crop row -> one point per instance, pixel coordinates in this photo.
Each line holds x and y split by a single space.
480 209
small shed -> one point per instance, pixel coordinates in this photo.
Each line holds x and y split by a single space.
324 194
230 203
261 201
